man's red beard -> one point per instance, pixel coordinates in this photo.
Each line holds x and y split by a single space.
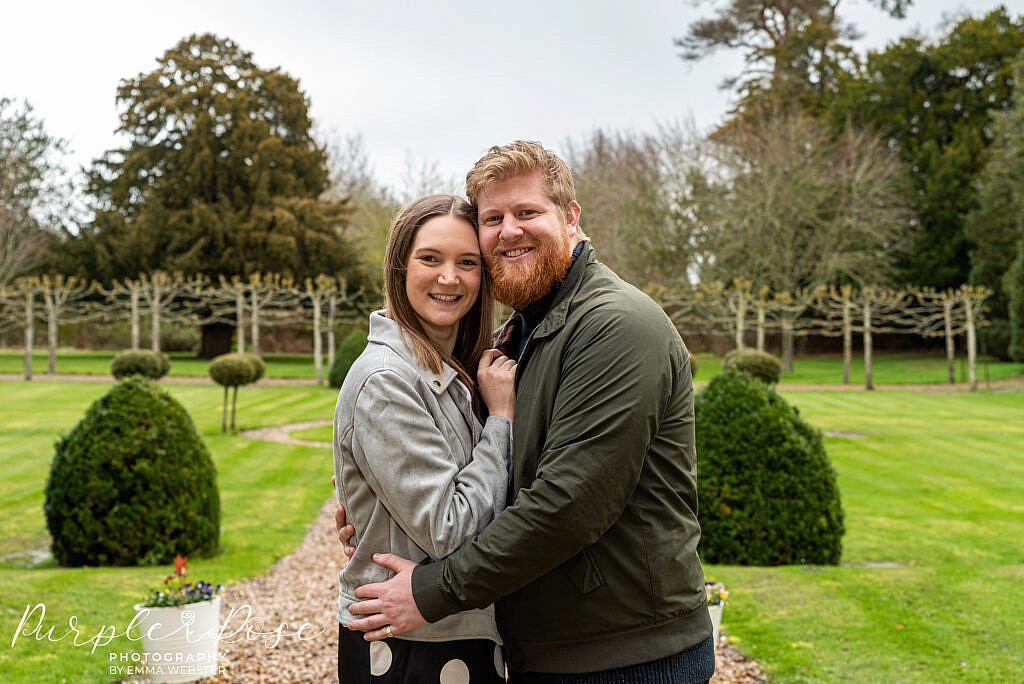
520 284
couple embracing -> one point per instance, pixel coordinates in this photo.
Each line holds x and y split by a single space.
536 500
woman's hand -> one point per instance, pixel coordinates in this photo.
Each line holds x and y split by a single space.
496 376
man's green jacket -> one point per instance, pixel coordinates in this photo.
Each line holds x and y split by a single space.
594 564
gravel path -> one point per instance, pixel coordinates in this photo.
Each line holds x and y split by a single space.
300 588
282 433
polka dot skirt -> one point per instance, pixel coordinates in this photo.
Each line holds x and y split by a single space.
398 661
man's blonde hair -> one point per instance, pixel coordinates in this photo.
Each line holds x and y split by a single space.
520 158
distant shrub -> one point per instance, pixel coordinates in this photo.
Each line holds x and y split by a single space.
132 483
348 351
767 490
165 363
149 364
761 365
180 338
233 371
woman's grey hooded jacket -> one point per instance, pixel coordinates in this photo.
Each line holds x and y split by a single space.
415 471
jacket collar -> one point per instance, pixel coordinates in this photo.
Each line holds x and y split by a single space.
387 332
554 320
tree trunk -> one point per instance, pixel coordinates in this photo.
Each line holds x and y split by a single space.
234 403
332 306
217 338
240 319
947 313
155 346
741 319
867 346
254 307
972 344
135 315
224 413
787 345
847 341
760 326
30 329
318 360
51 332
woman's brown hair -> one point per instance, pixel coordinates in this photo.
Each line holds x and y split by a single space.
475 328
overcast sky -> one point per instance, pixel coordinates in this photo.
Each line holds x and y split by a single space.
423 81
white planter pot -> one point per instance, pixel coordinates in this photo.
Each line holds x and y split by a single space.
180 643
716 618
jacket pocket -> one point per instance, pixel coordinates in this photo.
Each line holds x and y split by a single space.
583 571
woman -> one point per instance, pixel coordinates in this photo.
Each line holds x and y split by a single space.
415 470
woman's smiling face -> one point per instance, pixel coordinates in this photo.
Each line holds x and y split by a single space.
442 279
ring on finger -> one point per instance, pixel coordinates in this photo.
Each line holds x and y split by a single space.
387 630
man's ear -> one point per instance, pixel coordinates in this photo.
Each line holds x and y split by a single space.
572 217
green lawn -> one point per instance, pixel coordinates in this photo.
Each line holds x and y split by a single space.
269 494
933 492
182 363
889 369
935 489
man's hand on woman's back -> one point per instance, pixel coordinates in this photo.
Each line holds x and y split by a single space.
345 532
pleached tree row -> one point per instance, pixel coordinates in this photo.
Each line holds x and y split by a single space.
259 301
733 310
740 310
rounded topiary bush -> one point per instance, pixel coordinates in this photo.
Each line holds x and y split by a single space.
767 490
142 362
761 365
348 351
235 370
132 483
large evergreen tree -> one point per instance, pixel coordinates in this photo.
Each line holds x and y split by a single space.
934 102
220 175
996 226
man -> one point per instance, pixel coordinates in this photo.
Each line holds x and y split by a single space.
593 566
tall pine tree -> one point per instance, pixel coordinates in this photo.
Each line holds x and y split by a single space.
794 50
220 175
